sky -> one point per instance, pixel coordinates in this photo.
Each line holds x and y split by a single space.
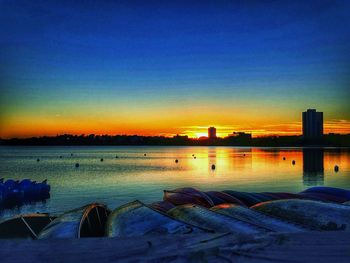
172 67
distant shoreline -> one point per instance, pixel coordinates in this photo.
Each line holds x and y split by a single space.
329 140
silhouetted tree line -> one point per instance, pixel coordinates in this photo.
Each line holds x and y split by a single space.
278 141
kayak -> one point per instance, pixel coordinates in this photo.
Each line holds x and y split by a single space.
138 219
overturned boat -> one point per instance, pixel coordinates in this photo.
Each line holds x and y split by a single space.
24 226
251 216
313 214
327 194
138 219
87 221
187 195
219 223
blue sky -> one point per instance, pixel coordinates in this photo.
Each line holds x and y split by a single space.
131 57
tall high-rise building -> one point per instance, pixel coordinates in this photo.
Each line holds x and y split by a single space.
211 132
312 124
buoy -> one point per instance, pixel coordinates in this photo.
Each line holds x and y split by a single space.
213 166
284 158
293 162
77 165
176 161
101 160
38 160
336 168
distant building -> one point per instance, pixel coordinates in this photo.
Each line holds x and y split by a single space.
211 132
312 124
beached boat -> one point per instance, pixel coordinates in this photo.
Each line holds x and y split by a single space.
219 223
313 214
256 218
138 219
325 193
24 226
247 198
163 206
87 221
187 195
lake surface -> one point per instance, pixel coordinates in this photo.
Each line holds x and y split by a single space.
116 181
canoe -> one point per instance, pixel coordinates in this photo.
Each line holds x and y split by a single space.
246 198
138 219
256 218
221 198
24 226
338 192
87 221
281 195
187 195
323 197
313 214
163 206
263 197
219 223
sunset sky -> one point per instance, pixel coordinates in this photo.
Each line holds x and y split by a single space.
172 67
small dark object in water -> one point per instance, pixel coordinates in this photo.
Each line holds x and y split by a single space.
144 154
284 158
336 168
101 160
116 156
38 160
176 161
192 154
195 157
244 154
213 166
77 165
71 154
61 156
293 162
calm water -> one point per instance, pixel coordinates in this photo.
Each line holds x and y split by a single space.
135 176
